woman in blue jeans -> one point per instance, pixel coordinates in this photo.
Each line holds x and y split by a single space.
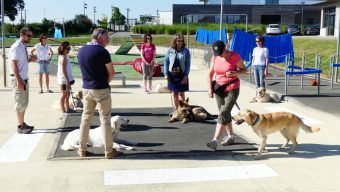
260 62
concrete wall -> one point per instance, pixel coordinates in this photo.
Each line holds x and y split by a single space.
165 17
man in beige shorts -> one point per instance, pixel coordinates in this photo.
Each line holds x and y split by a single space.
19 59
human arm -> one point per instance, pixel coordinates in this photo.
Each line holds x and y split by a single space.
20 82
209 80
110 71
154 56
166 65
63 65
50 53
187 66
266 71
242 69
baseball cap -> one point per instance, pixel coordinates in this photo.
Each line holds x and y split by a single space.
218 47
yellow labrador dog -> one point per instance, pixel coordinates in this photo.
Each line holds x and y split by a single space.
263 124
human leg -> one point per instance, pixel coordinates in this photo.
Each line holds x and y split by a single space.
150 76
257 75
103 98
145 74
261 76
63 97
47 75
175 99
86 119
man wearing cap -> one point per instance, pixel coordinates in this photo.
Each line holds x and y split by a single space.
226 66
97 72
19 59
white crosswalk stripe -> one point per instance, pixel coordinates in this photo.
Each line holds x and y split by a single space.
19 147
180 175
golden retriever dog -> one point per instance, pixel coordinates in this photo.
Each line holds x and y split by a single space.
186 113
263 124
264 97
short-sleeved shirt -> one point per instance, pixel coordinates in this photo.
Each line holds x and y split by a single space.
260 55
92 60
19 53
148 51
221 66
42 51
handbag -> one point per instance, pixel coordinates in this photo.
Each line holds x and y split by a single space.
219 89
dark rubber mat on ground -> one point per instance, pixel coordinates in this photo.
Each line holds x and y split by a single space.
156 137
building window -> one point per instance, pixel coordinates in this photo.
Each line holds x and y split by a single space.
272 2
226 2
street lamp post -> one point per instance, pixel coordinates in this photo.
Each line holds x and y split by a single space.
3 40
94 14
221 18
302 3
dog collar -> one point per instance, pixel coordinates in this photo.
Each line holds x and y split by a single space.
256 120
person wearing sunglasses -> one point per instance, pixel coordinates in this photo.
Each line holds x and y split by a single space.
64 76
45 54
177 68
148 54
260 62
18 60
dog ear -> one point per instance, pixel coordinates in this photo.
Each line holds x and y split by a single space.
181 103
248 117
187 100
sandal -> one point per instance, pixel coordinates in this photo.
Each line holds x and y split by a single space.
40 91
50 91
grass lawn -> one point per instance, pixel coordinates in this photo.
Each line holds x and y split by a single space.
127 70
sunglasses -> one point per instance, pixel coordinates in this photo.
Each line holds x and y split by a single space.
68 48
258 41
179 41
28 35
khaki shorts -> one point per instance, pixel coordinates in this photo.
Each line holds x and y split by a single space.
20 96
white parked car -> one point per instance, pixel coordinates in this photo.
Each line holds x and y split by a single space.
273 29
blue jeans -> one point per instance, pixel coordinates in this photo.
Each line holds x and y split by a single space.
259 75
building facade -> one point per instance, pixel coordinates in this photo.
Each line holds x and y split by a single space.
252 14
330 18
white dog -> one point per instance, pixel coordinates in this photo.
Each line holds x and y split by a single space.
71 141
160 88
264 97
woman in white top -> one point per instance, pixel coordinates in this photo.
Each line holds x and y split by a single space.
44 57
260 62
64 75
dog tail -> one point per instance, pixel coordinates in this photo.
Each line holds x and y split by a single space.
309 129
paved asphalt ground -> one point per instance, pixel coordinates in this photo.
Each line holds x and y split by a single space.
314 168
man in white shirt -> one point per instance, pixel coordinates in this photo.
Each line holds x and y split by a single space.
19 59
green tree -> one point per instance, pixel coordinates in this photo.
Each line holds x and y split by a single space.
103 22
11 8
117 17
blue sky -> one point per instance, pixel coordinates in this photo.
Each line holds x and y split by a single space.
67 9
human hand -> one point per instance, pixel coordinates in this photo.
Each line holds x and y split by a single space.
185 80
32 58
210 94
21 85
230 73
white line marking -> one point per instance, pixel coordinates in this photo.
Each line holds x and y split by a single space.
19 147
180 175
305 119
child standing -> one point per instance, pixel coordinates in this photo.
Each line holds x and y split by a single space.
148 54
65 76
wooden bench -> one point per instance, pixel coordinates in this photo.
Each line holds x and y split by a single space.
120 75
